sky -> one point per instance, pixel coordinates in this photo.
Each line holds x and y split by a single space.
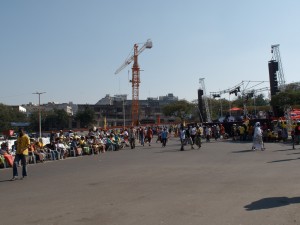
70 49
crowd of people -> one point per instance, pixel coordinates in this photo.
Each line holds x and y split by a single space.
57 146
271 132
69 144
60 145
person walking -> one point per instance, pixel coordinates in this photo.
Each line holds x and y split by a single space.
142 136
182 138
164 137
23 143
193 133
207 133
297 133
258 138
188 136
149 135
131 137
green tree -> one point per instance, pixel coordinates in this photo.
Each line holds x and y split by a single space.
7 115
86 117
218 107
34 122
57 119
180 109
283 99
260 100
286 99
62 118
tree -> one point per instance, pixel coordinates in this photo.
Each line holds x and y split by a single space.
86 117
181 109
285 99
62 118
260 100
34 121
218 107
7 115
57 119
238 102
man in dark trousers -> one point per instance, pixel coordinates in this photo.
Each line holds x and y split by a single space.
23 143
131 137
149 135
297 133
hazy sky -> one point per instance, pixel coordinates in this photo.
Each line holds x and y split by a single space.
70 49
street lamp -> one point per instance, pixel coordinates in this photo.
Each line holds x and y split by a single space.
123 114
40 118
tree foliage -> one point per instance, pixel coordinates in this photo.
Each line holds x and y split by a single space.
287 98
218 107
57 119
179 109
8 115
86 117
260 100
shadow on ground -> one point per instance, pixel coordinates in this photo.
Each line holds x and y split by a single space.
273 202
5 180
283 160
284 150
243 151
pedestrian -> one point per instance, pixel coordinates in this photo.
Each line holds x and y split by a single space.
142 136
193 135
23 143
198 136
258 138
164 137
149 135
159 132
131 137
188 136
207 133
182 138
297 133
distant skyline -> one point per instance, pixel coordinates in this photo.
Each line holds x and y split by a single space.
70 49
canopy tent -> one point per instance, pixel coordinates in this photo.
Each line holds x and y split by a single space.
235 109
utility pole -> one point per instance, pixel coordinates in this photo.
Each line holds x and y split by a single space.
123 114
40 117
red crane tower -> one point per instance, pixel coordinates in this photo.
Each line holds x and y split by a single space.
135 78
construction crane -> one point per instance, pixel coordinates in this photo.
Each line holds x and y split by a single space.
135 78
201 81
276 56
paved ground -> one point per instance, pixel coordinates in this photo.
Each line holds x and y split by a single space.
224 183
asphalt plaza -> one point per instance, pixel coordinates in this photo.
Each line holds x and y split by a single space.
222 183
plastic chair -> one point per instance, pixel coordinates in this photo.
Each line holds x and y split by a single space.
31 157
72 151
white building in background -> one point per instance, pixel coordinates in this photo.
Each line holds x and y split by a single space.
70 108
19 108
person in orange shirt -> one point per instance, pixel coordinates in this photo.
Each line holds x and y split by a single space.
149 135
23 143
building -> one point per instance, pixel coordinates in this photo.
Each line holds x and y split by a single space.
116 110
19 108
70 108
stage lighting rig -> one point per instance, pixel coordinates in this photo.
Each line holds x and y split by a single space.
235 91
216 95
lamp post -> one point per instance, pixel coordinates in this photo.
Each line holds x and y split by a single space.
221 107
40 118
123 114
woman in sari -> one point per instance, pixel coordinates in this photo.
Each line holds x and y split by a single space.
258 138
